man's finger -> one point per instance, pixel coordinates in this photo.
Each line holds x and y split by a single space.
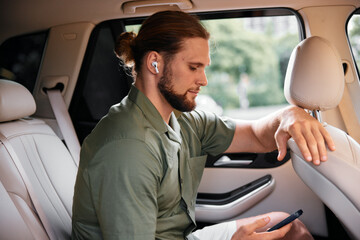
303 147
328 139
320 145
281 140
276 234
296 131
312 145
259 223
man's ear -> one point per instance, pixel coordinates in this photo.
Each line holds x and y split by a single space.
154 62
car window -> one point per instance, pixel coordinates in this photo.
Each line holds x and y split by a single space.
353 30
249 56
102 87
249 51
20 58
102 80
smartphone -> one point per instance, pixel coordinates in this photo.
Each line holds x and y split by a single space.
287 220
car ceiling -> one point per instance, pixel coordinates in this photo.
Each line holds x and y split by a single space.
23 16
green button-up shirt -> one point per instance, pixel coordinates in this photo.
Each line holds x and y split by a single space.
138 176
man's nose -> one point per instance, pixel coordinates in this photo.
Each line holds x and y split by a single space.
203 79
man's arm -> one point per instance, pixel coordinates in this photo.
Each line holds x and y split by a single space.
273 131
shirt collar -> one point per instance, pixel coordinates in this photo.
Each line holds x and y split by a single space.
174 129
153 115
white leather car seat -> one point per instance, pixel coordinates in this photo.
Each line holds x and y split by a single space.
12 224
48 165
315 81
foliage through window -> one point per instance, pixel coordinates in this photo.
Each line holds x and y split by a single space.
248 62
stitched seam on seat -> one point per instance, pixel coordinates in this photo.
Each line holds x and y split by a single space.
51 185
14 193
37 177
352 151
29 133
21 212
18 208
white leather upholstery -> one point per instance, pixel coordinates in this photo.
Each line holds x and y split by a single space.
315 81
12 223
48 165
15 101
314 77
336 181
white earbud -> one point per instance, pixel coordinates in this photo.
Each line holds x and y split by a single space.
154 64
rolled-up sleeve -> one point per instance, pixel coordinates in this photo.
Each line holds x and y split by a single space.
215 133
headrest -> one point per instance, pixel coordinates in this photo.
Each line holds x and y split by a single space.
315 76
15 101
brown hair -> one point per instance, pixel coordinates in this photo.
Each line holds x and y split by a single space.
162 32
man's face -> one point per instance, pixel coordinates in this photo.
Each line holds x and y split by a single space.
185 74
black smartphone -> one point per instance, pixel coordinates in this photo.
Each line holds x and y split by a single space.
287 220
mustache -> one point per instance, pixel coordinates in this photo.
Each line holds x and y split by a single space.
195 89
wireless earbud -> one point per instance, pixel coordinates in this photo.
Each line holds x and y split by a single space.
154 64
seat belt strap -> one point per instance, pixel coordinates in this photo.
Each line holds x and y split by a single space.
28 186
65 124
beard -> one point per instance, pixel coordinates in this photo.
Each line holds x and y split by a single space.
178 101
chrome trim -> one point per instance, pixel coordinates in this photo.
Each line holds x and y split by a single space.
226 161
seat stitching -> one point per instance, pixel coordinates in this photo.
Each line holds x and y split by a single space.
47 175
36 175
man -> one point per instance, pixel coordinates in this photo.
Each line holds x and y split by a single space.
141 166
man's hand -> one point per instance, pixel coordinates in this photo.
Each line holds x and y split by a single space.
308 133
248 232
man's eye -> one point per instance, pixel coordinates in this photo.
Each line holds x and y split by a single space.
192 68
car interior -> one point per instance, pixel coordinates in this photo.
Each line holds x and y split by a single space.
59 76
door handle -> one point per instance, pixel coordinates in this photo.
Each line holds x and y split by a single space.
226 161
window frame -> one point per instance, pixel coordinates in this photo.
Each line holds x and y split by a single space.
117 26
356 11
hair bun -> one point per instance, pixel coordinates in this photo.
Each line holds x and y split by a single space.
123 47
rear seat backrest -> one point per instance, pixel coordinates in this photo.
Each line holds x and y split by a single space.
47 163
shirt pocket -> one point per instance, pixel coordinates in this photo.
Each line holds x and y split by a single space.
196 166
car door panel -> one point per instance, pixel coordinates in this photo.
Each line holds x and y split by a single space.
220 207
288 193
